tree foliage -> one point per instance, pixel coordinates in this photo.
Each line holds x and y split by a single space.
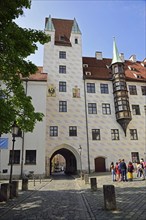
16 44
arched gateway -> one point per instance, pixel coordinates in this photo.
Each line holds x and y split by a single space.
71 156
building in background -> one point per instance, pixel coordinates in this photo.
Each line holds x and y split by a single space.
29 151
94 108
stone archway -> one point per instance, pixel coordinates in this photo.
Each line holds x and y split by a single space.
100 164
70 159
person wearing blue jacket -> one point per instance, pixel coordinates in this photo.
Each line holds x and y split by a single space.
123 169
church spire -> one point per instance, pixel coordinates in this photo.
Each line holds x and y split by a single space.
116 57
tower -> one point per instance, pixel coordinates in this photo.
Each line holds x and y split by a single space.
65 114
121 99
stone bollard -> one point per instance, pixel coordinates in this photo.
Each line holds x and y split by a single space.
5 191
14 189
24 184
86 178
93 184
82 176
1 196
109 197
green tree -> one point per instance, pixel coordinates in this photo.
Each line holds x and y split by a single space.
16 44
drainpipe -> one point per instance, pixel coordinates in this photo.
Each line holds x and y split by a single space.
88 152
23 134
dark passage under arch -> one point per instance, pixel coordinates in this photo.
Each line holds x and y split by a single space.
71 163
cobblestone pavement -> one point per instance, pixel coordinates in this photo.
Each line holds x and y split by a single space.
68 199
130 198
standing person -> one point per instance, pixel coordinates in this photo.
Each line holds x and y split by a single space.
112 169
118 172
123 168
142 166
139 169
130 171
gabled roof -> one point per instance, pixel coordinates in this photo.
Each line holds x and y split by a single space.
63 29
99 69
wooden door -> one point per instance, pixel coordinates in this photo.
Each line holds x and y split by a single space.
100 164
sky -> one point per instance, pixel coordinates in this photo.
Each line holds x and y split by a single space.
98 20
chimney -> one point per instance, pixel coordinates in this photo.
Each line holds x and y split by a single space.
122 57
98 55
133 58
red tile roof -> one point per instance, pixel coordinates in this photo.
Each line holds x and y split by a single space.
99 69
63 29
38 76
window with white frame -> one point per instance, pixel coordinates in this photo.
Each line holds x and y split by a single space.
90 87
115 134
62 69
62 86
62 106
95 134
104 88
106 110
92 109
72 131
132 90
62 54
143 90
145 109
135 157
135 110
133 134
53 131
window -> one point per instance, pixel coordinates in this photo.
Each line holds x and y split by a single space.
76 41
62 38
115 134
106 109
62 106
72 131
104 88
92 108
30 157
16 157
133 134
135 110
95 134
53 131
62 86
91 87
143 89
132 90
62 69
145 109
122 104
116 69
62 54
135 157
120 86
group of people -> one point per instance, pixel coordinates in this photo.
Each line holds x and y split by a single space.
122 172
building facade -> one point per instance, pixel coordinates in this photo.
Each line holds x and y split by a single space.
94 108
97 103
29 148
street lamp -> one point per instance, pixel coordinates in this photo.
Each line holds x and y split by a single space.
80 152
15 129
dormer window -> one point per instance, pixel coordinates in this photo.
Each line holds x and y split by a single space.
62 38
76 40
